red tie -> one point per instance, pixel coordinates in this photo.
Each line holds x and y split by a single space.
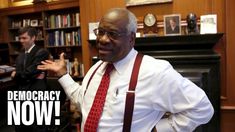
98 103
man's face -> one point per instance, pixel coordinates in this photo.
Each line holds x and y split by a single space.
26 41
114 41
172 23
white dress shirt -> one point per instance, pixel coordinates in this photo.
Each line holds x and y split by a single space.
159 89
29 50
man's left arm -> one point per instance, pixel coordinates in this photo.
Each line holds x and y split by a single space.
31 71
188 104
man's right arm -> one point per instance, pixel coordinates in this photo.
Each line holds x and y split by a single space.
71 88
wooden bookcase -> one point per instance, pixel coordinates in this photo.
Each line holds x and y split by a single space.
62 32
58 26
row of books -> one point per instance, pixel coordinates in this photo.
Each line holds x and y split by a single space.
62 38
60 21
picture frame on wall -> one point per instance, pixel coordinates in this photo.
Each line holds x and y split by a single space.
34 23
208 24
145 2
172 24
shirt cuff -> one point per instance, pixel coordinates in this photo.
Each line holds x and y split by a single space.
66 81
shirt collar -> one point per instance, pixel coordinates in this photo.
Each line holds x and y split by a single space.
122 64
29 50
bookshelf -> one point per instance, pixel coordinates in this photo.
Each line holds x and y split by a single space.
62 31
58 26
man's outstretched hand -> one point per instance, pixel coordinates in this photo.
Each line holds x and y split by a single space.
59 67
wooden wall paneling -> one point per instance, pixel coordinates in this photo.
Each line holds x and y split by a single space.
228 103
91 11
199 7
184 7
230 54
228 119
3 3
84 15
218 7
22 9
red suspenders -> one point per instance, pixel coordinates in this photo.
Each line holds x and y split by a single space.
130 96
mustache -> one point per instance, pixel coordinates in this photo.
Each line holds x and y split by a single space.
103 46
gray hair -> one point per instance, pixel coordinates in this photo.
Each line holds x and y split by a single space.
132 25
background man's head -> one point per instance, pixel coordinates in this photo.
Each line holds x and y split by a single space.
27 36
30 30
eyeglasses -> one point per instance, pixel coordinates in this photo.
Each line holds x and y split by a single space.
111 34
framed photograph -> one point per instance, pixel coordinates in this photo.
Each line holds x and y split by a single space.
34 23
172 24
208 24
144 2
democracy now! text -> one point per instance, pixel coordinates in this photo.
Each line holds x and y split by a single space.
33 107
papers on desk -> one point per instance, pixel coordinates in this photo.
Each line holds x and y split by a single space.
6 68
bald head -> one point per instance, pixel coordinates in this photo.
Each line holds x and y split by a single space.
123 15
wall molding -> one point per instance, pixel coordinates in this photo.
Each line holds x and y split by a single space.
227 108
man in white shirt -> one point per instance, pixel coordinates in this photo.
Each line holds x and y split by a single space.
159 88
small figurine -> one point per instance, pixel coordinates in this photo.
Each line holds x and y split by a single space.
75 66
192 27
